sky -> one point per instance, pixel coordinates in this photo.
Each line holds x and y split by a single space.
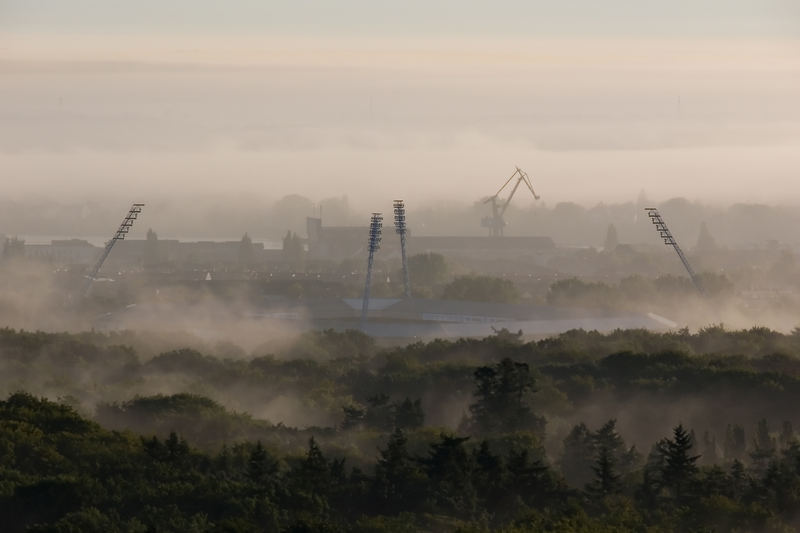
412 18
428 101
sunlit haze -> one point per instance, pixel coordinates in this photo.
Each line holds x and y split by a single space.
114 100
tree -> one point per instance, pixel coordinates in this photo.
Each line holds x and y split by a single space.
574 291
427 269
246 255
624 458
764 440
679 467
606 479
611 242
353 416
739 479
481 289
261 467
653 482
576 460
449 470
379 413
312 482
489 476
313 472
710 456
294 251
397 477
151 250
763 447
786 437
705 241
582 448
502 394
735 444
13 247
408 414
528 476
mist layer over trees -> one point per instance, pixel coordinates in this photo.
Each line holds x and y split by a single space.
332 432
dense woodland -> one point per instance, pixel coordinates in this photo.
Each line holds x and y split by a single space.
629 431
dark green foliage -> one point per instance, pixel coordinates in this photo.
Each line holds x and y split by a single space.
78 477
634 291
679 468
606 478
574 291
582 449
625 458
262 468
387 472
578 457
735 445
198 418
427 269
481 289
399 482
502 396
448 468
787 436
379 413
408 414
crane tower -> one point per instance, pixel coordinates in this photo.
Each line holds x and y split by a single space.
669 240
124 228
496 222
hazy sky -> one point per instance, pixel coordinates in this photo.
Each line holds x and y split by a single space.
571 18
421 100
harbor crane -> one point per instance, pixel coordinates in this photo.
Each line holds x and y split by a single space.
496 222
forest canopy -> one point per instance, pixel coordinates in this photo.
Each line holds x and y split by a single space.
497 434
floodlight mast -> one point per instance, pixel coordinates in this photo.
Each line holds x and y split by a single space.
375 227
669 240
402 230
124 228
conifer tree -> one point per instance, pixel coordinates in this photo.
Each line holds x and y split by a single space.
396 474
611 242
606 479
246 255
679 465
735 444
502 393
576 460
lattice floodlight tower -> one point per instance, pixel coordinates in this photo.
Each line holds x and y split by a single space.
124 228
669 240
375 227
402 230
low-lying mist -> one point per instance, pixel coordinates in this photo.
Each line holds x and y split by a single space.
320 381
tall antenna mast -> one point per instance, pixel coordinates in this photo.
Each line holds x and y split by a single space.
401 229
669 240
124 228
375 226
